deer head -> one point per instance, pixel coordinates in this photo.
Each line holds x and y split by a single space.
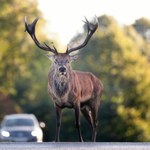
61 61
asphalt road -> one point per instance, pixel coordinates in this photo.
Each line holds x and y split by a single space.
74 146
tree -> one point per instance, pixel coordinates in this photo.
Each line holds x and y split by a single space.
142 26
23 68
116 58
14 44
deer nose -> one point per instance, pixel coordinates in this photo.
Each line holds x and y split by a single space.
62 69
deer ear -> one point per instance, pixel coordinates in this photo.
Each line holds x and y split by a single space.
74 57
51 57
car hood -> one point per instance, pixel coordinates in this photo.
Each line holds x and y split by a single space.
18 128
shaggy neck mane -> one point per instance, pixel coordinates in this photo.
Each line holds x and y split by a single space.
61 86
60 82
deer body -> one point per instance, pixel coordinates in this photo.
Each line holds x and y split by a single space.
70 88
78 88
74 89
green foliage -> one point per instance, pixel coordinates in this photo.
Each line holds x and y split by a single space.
24 68
115 55
142 25
13 50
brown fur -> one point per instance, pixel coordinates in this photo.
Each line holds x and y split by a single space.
80 87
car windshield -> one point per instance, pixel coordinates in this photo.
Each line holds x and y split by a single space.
19 122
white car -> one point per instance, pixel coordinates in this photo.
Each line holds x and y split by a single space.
21 128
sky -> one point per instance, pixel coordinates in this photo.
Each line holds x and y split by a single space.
64 17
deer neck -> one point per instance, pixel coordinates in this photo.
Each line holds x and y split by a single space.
60 83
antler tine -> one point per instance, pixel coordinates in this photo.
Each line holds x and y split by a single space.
30 28
91 29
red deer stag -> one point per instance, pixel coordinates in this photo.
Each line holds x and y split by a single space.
70 88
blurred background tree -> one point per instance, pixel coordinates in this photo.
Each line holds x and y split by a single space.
115 55
118 55
23 68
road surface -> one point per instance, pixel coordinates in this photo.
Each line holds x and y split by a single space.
74 146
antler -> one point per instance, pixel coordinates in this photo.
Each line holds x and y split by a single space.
91 29
30 28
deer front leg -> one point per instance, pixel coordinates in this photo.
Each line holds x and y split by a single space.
58 122
77 117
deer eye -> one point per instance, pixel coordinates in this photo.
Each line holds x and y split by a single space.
67 61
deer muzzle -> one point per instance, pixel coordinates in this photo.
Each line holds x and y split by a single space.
62 70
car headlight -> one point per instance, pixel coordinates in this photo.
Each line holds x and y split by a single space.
5 133
36 133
